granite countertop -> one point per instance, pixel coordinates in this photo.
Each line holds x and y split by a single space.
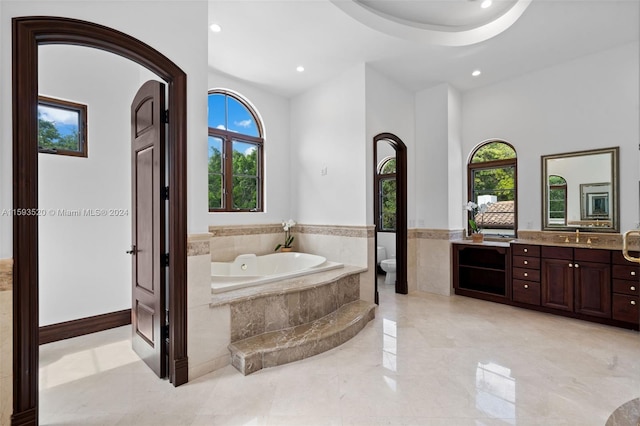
561 243
591 240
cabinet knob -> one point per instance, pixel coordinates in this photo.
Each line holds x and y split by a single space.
525 250
632 288
571 265
526 274
526 286
526 262
633 302
633 273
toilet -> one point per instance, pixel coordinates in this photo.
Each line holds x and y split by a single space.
389 266
382 255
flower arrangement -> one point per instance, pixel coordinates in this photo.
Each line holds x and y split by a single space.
288 238
475 209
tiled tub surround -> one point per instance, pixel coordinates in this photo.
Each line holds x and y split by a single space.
350 245
209 320
294 319
6 340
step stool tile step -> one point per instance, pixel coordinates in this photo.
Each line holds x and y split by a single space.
295 343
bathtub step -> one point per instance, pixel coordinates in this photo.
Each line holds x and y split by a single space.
296 343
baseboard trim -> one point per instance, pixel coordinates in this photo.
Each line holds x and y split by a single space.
82 326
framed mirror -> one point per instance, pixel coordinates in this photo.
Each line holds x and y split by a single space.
580 191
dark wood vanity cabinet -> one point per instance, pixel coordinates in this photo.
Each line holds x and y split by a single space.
482 270
557 284
626 289
525 274
576 280
592 274
591 284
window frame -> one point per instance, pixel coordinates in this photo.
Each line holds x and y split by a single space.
228 138
488 165
81 110
379 179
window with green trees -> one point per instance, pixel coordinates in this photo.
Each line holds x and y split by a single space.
557 200
386 178
62 127
492 181
235 154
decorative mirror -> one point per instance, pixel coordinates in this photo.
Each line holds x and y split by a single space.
580 191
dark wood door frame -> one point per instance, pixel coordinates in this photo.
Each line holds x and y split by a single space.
401 209
27 34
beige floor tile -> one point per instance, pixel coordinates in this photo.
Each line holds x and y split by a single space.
424 360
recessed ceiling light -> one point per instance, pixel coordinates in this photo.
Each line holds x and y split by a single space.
300 68
215 28
485 4
476 73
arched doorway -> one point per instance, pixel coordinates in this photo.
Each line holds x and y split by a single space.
400 151
28 34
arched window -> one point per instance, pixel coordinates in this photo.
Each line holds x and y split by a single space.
386 184
235 154
493 181
557 200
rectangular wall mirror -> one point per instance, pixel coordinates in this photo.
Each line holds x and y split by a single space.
580 191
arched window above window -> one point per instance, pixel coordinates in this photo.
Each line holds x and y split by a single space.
387 166
557 200
235 154
492 181
386 187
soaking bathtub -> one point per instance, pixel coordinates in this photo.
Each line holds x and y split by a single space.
250 270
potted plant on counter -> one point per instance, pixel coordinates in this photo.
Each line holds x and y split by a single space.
476 230
288 238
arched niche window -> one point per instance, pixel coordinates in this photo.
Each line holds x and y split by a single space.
235 154
492 180
386 185
557 200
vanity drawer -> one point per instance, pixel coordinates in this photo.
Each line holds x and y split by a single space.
626 272
526 274
618 259
592 255
553 252
525 250
627 287
526 292
625 308
526 262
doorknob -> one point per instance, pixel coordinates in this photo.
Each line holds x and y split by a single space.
625 246
132 251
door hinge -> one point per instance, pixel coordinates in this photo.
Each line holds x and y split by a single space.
165 193
165 331
165 259
165 116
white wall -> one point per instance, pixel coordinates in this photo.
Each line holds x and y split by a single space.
178 29
389 109
274 112
588 103
438 180
328 131
83 267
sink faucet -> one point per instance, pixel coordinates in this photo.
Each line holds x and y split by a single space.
577 235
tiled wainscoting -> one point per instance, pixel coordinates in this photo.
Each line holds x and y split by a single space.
429 260
6 340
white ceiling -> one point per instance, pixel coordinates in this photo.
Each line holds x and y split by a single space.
262 41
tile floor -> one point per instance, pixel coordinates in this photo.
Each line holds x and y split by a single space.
424 360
